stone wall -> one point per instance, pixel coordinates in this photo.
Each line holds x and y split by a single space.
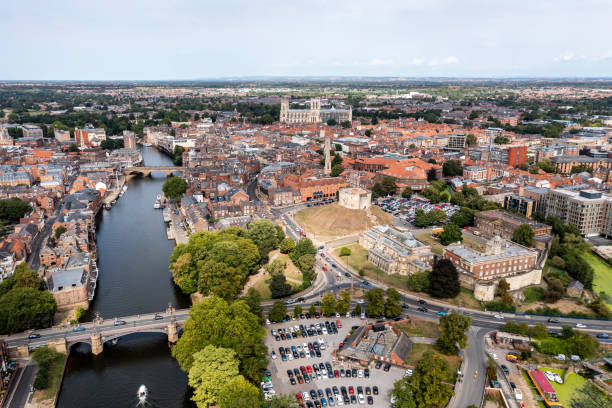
486 292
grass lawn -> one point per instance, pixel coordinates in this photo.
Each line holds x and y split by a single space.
533 294
551 271
358 259
420 328
436 246
294 277
55 376
416 354
602 281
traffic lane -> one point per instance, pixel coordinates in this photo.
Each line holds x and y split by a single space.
22 390
472 382
55 334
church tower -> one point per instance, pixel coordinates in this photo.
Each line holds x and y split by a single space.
284 110
327 153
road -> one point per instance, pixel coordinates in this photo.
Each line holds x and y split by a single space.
20 390
34 259
107 327
468 390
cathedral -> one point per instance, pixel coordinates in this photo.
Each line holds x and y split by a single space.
313 115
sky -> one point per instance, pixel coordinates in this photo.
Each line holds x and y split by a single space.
199 39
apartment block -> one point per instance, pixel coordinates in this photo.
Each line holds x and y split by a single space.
590 211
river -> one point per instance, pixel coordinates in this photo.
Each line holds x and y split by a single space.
133 253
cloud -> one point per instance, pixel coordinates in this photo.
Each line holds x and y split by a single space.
435 61
380 61
451 60
566 57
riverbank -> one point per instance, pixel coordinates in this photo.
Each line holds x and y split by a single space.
114 194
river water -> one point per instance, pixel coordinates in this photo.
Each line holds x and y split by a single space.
133 253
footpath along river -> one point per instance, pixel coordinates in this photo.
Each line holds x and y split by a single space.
133 253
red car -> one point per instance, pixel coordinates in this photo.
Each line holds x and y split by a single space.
298 397
325 269
338 324
309 368
300 380
351 390
336 374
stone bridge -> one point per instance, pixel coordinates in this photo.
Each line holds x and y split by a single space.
99 331
146 170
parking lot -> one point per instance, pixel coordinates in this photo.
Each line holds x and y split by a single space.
405 209
320 381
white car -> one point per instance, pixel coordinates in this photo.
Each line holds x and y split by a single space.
581 326
517 394
348 314
361 399
340 400
360 373
273 355
408 373
498 316
305 396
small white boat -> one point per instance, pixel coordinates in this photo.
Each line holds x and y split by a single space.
549 375
157 205
147 144
142 393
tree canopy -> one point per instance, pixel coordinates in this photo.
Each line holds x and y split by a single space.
453 332
12 209
174 188
265 235
523 235
452 168
214 322
451 233
214 262
444 280
212 370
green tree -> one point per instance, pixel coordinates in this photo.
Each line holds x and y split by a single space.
368 132
287 245
547 166
336 170
539 331
407 193
344 251
464 217
554 291
393 305
343 304
212 369
444 280
451 233
73 148
177 155
278 311
302 247
402 392
297 310
328 304
452 168
523 235
429 382
419 282
358 308
253 300
26 308
220 279
239 393
453 329
331 122
280 401
214 322
24 277
263 234
59 231
312 310
279 287
174 188
376 301
13 209
471 140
